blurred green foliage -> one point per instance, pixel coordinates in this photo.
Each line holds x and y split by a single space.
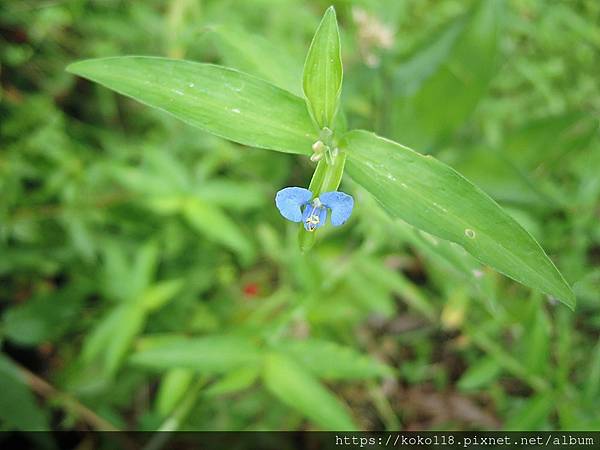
146 274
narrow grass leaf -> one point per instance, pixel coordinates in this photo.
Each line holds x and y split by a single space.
297 388
215 225
331 361
173 387
211 354
480 374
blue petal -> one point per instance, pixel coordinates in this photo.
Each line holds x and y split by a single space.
289 201
322 216
320 212
340 204
306 212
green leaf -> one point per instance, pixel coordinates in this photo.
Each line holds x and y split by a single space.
592 384
257 55
332 361
435 198
322 78
217 226
112 337
504 359
233 194
141 273
370 298
18 407
219 100
537 342
43 318
130 323
157 295
380 275
173 387
98 338
444 69
127 278
499 177
211 354
480 374
234 381
298 389
533 414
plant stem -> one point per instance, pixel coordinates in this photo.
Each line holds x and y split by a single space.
175 420
385 410
46 390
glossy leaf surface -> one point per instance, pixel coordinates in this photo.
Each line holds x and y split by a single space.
433 197
322 80
219 100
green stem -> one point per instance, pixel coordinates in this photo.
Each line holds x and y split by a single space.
175 420
383 407
65 401
333 175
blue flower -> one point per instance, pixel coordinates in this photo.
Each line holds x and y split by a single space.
295 204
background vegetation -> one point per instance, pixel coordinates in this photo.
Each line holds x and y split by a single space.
147 280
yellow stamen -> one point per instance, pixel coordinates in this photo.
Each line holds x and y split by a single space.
312 221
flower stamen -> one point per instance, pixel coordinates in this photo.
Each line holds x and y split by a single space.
312 222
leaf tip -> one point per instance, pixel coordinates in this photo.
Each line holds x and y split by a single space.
569 300
72 68
77 67
330 17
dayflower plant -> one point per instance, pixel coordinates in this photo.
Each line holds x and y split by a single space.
418 189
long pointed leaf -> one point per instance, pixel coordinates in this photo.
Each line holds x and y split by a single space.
300 390
208 354
434 197
322 78
219 100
